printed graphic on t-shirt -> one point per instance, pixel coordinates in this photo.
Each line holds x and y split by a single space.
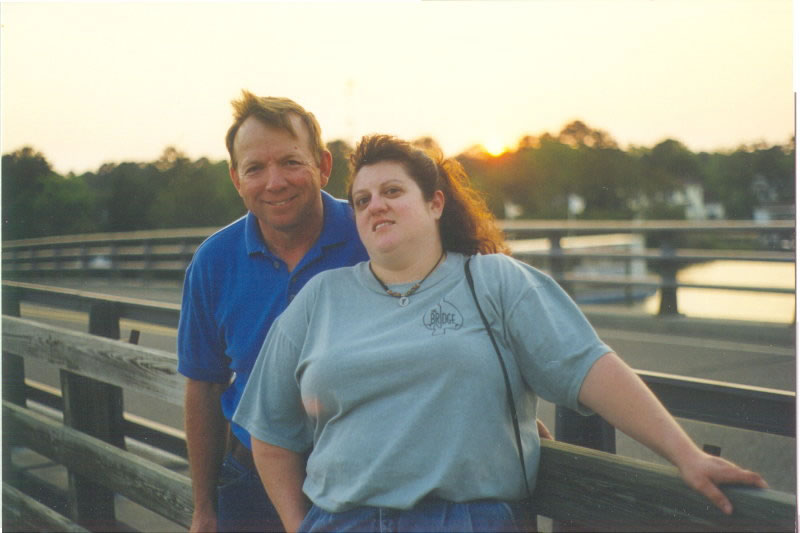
442 317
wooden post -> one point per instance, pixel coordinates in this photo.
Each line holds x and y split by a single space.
57 258
668 271
558 262
84 260
13 365
114 271
13 381
96 409
147 251
589 432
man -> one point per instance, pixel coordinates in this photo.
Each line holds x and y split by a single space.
240 279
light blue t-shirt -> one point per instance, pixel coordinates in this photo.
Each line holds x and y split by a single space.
400 403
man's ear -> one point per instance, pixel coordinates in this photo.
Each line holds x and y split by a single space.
325 168
235 178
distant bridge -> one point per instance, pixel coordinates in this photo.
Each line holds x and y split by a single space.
167 252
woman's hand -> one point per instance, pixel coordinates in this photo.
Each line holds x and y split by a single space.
704 473
617 394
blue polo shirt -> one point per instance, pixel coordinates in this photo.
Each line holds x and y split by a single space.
234 290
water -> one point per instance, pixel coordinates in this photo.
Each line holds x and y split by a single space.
695 303
735 305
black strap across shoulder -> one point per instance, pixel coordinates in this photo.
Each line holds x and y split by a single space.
509 393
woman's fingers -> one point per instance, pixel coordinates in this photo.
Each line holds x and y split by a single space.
712 471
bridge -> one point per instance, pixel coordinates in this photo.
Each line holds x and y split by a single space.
731 383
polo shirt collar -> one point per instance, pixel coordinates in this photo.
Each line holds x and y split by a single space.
334 225
252 236
333 230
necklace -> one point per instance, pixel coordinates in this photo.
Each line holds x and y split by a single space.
404 297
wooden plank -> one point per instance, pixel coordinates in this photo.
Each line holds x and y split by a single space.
150 311
152 433
653 254
641 226
195 234
23 513
146 370
576 484
655 282
157 488
741 406
611 493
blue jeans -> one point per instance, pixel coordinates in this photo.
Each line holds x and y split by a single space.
429 515
242 503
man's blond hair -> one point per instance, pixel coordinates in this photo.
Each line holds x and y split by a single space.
274 112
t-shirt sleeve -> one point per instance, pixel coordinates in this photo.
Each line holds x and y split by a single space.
554 343
201 354
271 408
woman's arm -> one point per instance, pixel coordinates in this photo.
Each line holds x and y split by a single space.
616 393
282 472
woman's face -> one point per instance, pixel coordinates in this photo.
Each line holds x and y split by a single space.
391 213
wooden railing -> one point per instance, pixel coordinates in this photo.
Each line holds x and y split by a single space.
576 485
168 252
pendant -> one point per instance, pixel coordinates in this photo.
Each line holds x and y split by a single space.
403 301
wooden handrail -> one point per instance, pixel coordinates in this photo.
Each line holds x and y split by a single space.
150 311
21 509
168 252
129 366
587 227
754 408
606 492
523 225
573 484
144 482
153 372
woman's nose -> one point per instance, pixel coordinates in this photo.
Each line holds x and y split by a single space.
376 204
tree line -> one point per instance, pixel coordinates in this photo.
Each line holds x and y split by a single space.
581 172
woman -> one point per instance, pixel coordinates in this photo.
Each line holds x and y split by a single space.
387 371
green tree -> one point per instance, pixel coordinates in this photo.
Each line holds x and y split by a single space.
126 192
485 174
337 184
577 134
37 201
194 194
606 181
663 172
751 176
65 206
24 172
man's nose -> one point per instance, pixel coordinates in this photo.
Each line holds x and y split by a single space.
274 177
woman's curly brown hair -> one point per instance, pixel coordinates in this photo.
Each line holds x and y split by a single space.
466 226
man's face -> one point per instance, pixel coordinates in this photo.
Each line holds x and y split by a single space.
277 177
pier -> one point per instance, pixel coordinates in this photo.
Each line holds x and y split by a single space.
81 332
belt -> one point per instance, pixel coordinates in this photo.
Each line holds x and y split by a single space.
241 453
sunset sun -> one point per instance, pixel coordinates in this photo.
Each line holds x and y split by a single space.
495 147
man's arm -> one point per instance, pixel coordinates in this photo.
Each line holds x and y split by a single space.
282 472
206 433
616 393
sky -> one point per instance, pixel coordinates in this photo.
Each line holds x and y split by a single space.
89 83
